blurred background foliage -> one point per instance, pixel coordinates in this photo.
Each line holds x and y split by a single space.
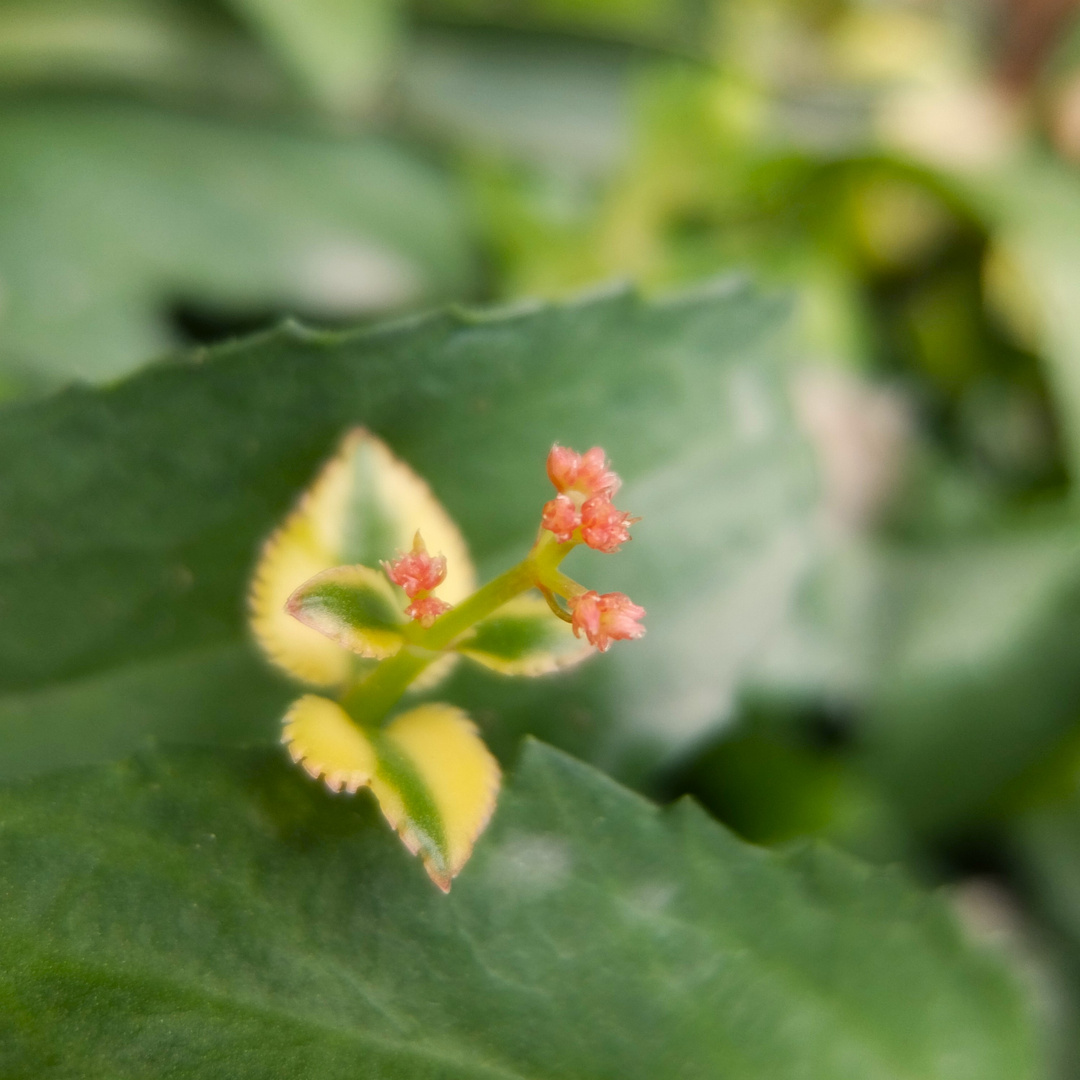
175 173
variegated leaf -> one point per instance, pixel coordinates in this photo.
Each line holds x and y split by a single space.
525 638
354 606
321 737
435 780
363 507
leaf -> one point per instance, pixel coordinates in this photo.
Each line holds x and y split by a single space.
353 606
434 778
230 217
1033 207
339 49
525 638
663 23
220 915
437 785
134 514
363 507
957 655
155 47
564 105
981 666
321 737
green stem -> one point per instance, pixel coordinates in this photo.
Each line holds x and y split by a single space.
369 700
480 605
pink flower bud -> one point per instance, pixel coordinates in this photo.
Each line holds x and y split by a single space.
426 609
602 526
561 517
607 618
594 477
417 571
585 473
562 467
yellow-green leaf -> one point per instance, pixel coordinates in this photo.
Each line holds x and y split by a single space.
364 506
437 784
525 638
321 737
354 606
435 780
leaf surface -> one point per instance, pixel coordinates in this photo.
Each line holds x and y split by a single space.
134 515
525 638
226 216
363 507
224 916
338 49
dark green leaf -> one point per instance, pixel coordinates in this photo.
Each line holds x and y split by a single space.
224 916
155 47
109 215
134 514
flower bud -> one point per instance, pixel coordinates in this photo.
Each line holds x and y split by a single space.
603 527
607 618
586 473
561 517
417 571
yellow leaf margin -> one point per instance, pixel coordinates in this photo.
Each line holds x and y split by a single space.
435 780
362 475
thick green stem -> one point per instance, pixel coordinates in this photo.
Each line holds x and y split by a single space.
480 605
368 702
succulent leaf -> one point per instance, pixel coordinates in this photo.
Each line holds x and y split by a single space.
321 737
435 780
437 784
354 606
525 638
364 506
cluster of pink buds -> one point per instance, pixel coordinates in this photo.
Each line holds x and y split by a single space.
582 509
582 512
606 618
419 574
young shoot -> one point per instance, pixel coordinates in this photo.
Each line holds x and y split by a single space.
344 598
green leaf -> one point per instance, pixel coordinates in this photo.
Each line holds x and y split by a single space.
1032 205
223 215
562 105
959 652
134 514
664 23
434 778
222 915
154 47
354 606
525 638
338 49
982 666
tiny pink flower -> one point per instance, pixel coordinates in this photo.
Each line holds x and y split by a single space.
426 609
603 527
417 571
586 473
562 467
607 618
561 517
